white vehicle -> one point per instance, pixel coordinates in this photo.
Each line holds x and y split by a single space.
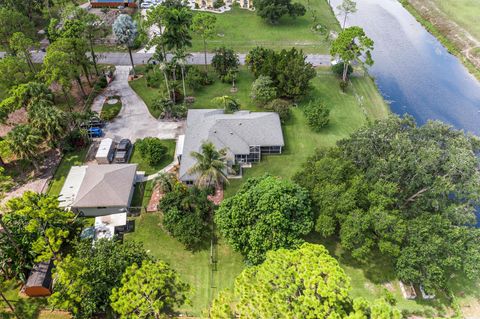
146 5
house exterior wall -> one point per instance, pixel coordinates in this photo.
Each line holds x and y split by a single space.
99 211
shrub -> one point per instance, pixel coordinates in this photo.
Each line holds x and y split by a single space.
263 90
169 110
317 115
152 149
102 82
282 107
195 78
337 69
218 4
153 79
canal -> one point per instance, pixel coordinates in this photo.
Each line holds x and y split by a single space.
413 71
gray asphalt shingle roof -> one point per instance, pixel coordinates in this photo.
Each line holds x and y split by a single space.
236 132
106 186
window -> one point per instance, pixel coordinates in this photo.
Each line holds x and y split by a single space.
271 149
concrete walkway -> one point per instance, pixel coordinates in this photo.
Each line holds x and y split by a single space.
134 120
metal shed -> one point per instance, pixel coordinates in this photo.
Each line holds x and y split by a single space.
105 151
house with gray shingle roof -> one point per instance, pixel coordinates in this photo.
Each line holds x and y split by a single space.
98 190
245 135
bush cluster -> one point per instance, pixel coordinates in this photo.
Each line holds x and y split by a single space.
152 149
317 115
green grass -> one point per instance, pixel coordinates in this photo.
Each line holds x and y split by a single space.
348 112
70 159
464 12
110 111
194 268
143 164
243 30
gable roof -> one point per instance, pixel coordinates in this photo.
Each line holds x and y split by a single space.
106 186
236 132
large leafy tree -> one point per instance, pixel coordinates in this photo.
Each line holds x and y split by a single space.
409 192
302 283
12 21
267 213
150 291
204 24
46 221
288 69
21 45
84 279
224 61
347 7
273 10
187 215
58 69
156 16
352 45
13 71
126 31
210 166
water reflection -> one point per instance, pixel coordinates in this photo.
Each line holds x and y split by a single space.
413 70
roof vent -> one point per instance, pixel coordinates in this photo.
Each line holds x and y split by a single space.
231 133
215 131
240 123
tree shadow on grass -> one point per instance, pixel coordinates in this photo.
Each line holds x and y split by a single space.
378 268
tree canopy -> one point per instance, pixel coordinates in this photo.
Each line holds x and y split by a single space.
84 279
267 213
408 191
352 45
187 214
150 291
288 70
273 10
302 283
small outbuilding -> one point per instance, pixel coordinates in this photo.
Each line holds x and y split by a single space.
105 151
39 283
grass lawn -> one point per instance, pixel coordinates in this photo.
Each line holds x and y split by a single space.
464 12
243 30
194 268
69 160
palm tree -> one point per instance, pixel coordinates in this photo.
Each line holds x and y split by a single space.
228 103
210 167
24 141
163 67
48 119
180 58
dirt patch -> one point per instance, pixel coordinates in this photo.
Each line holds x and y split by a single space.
467 44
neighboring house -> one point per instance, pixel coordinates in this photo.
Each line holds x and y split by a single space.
245 135
112 3
245 4
39 282
98 190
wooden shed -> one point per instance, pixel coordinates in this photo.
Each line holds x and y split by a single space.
39 283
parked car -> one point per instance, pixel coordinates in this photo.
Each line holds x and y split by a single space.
95 132
94 121
124 149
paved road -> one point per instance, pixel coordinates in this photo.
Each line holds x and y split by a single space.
119 58
135 121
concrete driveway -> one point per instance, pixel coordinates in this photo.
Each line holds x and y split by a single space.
134 120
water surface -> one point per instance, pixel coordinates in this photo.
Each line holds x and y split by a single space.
414 72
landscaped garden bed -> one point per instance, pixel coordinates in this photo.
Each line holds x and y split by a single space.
111 108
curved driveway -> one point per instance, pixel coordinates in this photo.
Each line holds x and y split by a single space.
134 120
